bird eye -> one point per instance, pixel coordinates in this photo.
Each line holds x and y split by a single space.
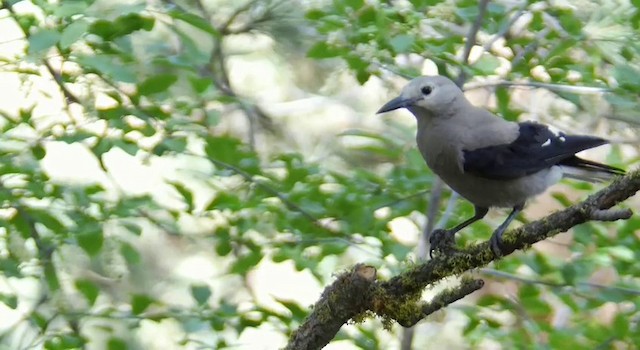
426 90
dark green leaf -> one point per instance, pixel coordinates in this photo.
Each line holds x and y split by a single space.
38 151
195 21
186 195
10 301
90 240
201 293
323 50
247 262
140 302
116 344
121 26
156 84
133 228
89 289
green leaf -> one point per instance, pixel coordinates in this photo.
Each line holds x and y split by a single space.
50 221
231 151
224 200
116 344
223 241
109 65
175 144
201 293
129 253
91 240
487 64
19 223
297 312
156 84
43 40
88 289
121 26
186 195
195 21
10 301
402 43
627 77
323 50
132 227
70 8
620 252
200 85
38 151
10 267
73 32
315 14
245 263
140 302
70 341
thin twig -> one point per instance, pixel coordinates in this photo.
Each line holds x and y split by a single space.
444 298
451 207
531 47
471 40
587 90
69 96
502 274
503 31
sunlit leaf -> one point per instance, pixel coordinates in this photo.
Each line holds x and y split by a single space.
72 33
43 40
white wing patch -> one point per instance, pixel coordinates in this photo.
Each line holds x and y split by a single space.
559 134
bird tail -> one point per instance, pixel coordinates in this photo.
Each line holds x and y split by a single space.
586 170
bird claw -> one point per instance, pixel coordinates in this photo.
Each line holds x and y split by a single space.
441 241
495 243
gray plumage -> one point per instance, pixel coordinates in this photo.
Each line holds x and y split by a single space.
490 161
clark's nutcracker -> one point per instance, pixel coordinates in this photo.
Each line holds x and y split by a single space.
490 161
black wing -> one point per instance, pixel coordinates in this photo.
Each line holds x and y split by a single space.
535 149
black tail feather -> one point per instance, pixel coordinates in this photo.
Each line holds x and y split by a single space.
580 163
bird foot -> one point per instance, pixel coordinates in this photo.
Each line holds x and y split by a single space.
441 241
495 243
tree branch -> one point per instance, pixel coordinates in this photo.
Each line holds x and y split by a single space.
339 303
57 77
356 293
442 299
471 40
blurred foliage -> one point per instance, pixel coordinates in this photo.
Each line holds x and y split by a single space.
151 79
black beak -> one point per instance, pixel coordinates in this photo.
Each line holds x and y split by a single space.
396 103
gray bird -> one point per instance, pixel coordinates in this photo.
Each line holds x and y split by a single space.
487 160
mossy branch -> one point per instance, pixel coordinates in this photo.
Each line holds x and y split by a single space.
357 292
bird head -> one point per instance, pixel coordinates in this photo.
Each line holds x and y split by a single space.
433 96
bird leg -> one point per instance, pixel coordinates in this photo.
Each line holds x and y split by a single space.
444 238
496 239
